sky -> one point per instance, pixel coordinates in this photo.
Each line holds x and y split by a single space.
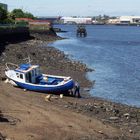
76 7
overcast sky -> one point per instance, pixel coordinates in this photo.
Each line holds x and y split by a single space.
76 7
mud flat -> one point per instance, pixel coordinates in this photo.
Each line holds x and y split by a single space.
27 115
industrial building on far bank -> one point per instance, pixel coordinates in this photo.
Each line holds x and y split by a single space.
130 19
125 20
76 20
88 20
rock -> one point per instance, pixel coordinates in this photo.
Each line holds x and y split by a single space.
101 106
75 103
79 109
70 103
6 81
24 90
3 78
107 109
96 111
1 137
70 126
66 106
85 138
130 131
114 118
61 96
13 123
33 54
116 111
127 117
48 98
100 132
86 89
19 56
126 114
89 120
91 108
54 97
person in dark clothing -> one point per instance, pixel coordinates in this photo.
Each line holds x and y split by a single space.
77 90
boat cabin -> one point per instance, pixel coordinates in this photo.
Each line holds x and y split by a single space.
28 73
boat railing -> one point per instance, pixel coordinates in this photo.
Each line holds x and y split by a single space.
28 61
10 65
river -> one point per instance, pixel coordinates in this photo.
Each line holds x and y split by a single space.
114 53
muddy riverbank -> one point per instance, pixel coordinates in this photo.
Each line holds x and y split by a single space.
51 60
28 116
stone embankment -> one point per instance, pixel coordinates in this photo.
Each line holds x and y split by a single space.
14 34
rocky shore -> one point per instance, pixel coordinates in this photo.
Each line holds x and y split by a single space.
27 115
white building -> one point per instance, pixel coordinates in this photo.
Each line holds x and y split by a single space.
113 21
130 19
76 20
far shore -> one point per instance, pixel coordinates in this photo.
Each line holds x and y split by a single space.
28 116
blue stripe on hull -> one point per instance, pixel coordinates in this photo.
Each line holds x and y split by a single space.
54 89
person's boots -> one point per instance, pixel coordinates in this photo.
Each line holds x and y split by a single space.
79 96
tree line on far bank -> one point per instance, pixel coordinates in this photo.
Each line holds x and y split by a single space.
9 17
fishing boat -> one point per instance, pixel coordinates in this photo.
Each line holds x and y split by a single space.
29 77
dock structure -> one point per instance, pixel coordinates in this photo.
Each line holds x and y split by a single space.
81 31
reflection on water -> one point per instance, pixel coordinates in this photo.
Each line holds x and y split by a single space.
113 52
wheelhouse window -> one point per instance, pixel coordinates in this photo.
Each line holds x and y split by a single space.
38 72
27 77
33 72
21 76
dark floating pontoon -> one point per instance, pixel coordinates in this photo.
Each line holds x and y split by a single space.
81 31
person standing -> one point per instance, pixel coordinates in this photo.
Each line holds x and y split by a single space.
77 90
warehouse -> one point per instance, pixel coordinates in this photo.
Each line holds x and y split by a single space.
130 19
76 20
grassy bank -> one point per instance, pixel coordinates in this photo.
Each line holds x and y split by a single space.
15 33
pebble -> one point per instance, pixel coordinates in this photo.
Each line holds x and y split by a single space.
6 81
66 106
127 117
70 126
116 111
100 132
61 96
86 89
90 108
48 97
126 114
25 90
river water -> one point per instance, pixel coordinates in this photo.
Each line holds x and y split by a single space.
114 53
